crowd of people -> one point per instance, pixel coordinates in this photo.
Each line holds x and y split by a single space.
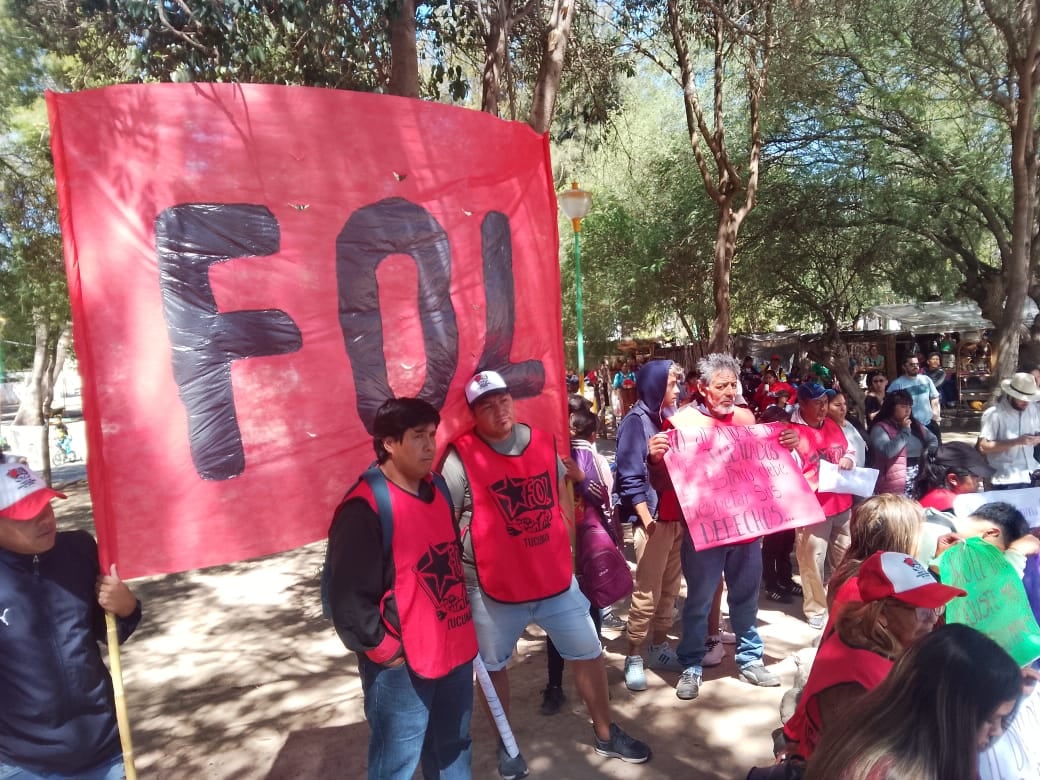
530 553
432 575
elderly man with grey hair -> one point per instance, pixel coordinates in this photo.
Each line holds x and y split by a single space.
739 563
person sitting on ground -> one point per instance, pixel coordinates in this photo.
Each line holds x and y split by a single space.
1006 528
900 602
957 468
899 444
945 700
58 717
881 523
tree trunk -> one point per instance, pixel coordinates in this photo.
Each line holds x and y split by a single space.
34 400
548 84
404 59
725 247
496 49
1023 222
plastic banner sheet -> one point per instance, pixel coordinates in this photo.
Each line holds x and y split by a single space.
736 483
254 269
1025 500
996 603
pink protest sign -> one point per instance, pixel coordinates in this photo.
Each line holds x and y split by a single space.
736 483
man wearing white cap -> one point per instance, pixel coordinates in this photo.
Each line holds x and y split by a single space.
57 719
1010 430
507 486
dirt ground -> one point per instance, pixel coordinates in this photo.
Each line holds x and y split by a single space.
234 675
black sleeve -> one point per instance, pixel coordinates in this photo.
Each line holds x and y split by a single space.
360 577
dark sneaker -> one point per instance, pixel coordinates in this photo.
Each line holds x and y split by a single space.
510 768
620 745
689 686
612 622
552 699
757 674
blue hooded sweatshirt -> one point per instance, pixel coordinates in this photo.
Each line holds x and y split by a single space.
643 420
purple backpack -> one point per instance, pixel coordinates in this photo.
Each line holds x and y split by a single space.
603 572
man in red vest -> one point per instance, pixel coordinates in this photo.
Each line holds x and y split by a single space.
820 438
507 484
397 596
740 563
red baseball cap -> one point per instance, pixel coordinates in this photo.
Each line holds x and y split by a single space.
23 495
899 576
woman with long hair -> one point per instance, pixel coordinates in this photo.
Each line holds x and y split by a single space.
945 699
900 603
880 523
899 445
875 395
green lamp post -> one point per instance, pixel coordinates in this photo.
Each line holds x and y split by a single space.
576 203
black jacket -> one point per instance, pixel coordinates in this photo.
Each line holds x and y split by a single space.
56 706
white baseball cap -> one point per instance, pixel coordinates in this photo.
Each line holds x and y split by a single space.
484 383
23 495
900 576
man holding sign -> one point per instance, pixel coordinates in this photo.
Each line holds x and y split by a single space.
739 562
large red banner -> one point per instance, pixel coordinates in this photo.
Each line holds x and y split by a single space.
736 483
255 269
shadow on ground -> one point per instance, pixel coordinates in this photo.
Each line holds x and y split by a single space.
234 675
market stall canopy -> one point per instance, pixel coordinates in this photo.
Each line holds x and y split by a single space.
942 316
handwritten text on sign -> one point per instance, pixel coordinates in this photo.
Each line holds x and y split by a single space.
1016 755
736 483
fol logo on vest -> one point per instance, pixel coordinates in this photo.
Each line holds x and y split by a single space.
526 504
440 573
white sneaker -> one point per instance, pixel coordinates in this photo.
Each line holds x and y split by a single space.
726 637
662 656
715 653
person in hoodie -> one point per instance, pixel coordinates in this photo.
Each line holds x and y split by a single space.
57 712
658 528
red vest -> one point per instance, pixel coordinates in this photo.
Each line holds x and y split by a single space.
827 442
835 663
521 547
429 587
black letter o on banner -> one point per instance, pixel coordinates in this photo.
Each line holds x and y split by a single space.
394 226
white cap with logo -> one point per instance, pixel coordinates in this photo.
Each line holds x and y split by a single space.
484 383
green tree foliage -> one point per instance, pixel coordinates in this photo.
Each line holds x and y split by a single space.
33 296
935 105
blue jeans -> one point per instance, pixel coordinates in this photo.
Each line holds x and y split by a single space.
415 720
742 566
107 770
